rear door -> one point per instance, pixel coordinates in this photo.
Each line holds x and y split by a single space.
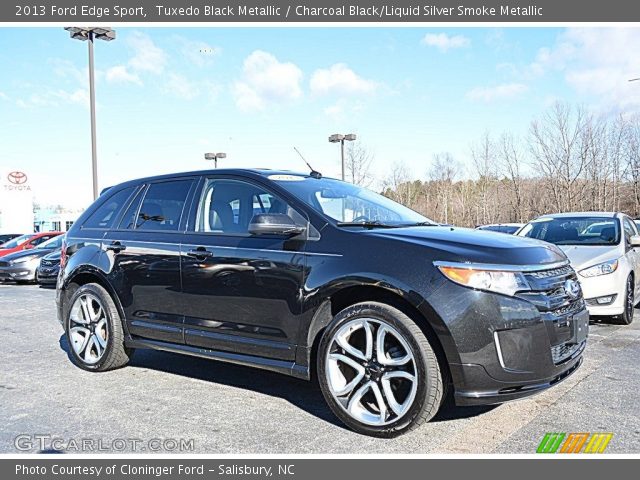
144 258
241 293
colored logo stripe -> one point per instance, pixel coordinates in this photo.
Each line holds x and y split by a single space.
574 442
598 442
550 443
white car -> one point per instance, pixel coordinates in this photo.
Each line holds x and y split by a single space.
604 248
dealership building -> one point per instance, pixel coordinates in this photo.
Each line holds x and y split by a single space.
17 212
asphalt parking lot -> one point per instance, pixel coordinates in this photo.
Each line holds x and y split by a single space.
230 409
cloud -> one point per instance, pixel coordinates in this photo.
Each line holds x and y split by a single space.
4 96
266 81
147 56
55 98
597 62
497 92
121 74
339 79
181 87
197 52
444 42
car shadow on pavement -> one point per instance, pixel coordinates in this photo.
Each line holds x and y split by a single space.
301 393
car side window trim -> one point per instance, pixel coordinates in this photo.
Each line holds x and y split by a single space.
119 213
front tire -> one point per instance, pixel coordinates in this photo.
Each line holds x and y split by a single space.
94 330
377 371
627 316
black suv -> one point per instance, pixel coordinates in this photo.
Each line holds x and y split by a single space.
305 276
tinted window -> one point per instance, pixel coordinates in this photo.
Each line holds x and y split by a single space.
17 241
574 230
228 206
107 212
162 205
39 240
131 213
629 230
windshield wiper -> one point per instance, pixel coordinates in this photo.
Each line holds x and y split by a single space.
420 224
367 224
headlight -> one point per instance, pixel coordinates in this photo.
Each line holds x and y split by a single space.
23 259
499 281
600 269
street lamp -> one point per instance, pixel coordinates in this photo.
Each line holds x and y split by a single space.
215 157
84 34
339 138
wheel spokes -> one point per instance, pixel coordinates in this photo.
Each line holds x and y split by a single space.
343 336
397 407
358 410
381 354
88 328
79 338
337 380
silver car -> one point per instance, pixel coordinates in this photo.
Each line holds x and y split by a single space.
603 247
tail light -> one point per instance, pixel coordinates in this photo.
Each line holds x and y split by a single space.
63 254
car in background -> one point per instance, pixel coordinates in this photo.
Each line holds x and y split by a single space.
47 271
5 237
637 222
509 228
21 266
604 248
26 242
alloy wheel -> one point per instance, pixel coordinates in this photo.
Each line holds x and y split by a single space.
371 371
88 328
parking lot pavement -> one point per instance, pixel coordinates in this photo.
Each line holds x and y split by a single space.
232 409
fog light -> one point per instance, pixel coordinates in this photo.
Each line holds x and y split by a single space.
605 300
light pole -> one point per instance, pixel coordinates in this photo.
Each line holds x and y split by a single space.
339 138
215 157
84 34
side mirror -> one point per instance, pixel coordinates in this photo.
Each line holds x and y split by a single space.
274 224
634 241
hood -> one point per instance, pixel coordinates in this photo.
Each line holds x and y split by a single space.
55 255
34 252
467 245
582 257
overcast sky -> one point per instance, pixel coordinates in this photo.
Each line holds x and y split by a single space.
167 95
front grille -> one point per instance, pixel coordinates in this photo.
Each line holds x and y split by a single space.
556 272
4 264
49 263
563 352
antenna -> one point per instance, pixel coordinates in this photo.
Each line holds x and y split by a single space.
314 173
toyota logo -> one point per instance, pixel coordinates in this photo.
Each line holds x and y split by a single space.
572 288
17 178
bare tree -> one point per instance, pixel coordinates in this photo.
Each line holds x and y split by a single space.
510 161
358 161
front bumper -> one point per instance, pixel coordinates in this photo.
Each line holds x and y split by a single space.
503 348
612 284
47 275
19 272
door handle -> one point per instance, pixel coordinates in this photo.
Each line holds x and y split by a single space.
200 252
116 247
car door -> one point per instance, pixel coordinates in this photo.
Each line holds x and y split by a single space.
241 293
632 253
144 257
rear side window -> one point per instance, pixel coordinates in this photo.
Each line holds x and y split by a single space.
106 213
162 206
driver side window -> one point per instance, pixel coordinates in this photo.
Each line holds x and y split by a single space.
227 207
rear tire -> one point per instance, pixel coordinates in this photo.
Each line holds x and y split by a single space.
94 330
378 372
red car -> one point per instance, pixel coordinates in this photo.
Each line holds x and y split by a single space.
26 242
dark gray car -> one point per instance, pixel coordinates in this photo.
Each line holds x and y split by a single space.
21 266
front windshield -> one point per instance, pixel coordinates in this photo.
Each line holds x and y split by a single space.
574 230
17 241
348 203
52 243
